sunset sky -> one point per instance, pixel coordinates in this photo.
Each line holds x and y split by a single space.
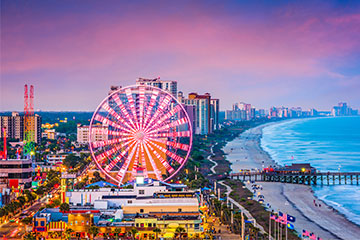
268 53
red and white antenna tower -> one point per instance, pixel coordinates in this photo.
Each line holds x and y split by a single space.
31 107
26 100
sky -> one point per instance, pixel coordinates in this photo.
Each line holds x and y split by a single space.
267 53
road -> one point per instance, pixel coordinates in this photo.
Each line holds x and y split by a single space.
13 230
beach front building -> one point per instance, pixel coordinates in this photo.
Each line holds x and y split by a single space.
166 85
202 106
297 168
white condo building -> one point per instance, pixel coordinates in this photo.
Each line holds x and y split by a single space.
100 133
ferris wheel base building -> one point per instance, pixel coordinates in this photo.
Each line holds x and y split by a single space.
145 207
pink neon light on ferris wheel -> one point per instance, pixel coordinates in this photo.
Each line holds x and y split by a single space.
147 129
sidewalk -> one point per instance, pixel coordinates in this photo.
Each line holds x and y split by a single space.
246 212
225 233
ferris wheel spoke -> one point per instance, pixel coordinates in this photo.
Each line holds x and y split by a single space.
107 154
176 123
112 164
121 174
161 108
153 164
176 145
172 155
150 107
162 160
143 161
168 115
107 121
132 106
116 133
111 111
123 109
171 134
136 162
141 105
116 148
103 143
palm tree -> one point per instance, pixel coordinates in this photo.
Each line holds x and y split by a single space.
180 231
68 233
64 207
117 232
133 232
157 231
93 230
30 236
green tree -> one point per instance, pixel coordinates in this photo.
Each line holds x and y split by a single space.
133 232
22 200
71 160
64 207
93 230
117 232
180 230
157 231
27 220
30 236
40 190
57 202
68 233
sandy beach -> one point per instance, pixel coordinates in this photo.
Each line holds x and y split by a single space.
245 152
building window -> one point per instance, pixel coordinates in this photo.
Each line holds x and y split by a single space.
137 225
149 224
142 192
142 225
42 223
129 201
141 210
179 210
36 223
154 224
76 222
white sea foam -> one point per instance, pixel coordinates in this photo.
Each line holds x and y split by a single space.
329 144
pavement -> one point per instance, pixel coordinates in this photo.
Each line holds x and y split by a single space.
225 233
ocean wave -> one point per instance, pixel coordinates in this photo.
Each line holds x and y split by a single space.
329 144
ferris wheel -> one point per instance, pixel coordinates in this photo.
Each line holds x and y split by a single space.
145 131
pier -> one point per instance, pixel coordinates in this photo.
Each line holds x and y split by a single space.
319 178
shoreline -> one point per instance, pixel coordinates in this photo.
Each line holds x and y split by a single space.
245 152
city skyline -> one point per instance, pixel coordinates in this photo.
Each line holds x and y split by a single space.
272 54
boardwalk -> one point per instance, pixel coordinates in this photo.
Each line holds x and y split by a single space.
329 178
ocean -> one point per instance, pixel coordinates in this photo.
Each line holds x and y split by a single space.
329 144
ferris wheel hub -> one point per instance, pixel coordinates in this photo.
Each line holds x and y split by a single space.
140 135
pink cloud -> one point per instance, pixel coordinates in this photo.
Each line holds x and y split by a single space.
200 48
